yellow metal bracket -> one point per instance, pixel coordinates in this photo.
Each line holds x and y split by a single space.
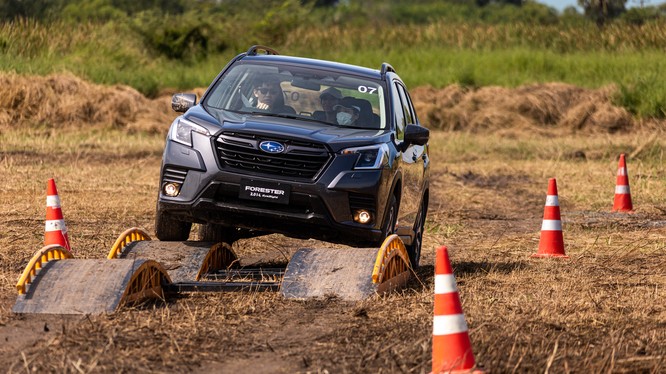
220 256
41 257
130 235
146 283
392 259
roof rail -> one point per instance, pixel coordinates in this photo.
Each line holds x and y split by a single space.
386 67
268 51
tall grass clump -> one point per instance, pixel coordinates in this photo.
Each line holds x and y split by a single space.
560 38
107 53
633 89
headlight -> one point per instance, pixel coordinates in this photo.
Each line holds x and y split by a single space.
370 157
181 131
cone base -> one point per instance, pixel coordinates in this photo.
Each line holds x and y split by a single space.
467 371
57 237
623 203
622 211
542 255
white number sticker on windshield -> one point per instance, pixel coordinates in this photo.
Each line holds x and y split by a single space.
366 89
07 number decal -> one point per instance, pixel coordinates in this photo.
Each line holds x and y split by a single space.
366 89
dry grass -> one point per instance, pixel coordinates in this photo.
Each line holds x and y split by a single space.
600 311
65 101
62 100
536 108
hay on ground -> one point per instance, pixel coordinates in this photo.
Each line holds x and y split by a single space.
64 100
538 107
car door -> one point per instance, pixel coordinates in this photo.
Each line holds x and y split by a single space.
413 160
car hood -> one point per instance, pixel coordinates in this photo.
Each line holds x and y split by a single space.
335 137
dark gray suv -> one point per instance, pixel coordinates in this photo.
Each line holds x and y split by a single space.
302 147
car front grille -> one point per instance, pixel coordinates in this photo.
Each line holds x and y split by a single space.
299 160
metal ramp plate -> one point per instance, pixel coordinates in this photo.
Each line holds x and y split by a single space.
319 272
76 286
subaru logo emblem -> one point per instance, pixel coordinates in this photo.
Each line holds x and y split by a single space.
271 147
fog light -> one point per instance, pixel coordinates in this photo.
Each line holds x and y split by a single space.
171 189
362 216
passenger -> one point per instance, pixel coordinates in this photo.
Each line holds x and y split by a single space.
367 118
269 96
329 98
347 112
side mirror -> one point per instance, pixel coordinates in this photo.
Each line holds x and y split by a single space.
415 134
181 102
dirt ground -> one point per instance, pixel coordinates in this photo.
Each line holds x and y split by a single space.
602 310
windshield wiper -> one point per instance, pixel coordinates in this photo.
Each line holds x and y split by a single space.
295 116
290 116
282 115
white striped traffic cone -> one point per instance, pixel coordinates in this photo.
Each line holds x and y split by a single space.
622 202
551 243
55 229
451 347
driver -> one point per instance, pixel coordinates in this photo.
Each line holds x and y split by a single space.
268 94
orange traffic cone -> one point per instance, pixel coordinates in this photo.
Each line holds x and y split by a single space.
55 229
622 201
551 243
451 347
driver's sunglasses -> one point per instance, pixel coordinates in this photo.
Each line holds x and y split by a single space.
265 91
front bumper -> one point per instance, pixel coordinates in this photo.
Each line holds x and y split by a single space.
316 209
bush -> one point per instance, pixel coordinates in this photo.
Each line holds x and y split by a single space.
174 36
97 10
643 96
639 16
280 20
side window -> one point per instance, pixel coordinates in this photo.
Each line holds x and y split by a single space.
415 119
400 115
407 107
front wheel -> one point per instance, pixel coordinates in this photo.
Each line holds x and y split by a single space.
390 218
211 232
169 229
414 249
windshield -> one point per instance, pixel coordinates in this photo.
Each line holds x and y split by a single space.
294 91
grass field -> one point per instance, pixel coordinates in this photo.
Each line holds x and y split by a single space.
600 311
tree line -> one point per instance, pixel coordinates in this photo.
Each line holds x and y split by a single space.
599 11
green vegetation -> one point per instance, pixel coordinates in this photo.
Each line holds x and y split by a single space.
155 45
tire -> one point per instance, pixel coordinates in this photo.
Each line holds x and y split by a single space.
414 249
169 229
211 232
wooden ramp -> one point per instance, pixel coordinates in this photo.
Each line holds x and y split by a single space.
183 261
73 286
138 268
320 272
352 274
